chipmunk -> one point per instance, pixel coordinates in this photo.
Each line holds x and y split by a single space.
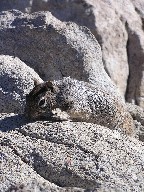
70 99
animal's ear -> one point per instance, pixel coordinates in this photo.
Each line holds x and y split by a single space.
49 84
36 82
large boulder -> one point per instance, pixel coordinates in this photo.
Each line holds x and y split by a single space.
18 176
104 23
16 80
69 154
54 49
135 49
118 27
32 38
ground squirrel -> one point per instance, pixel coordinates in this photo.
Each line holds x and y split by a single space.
78 101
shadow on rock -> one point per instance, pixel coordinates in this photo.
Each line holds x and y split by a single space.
62 177
10 122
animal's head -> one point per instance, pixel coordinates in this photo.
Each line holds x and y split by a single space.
41 100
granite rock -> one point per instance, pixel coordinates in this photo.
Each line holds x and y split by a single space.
71 154
118 27
104 22
54 49
16 80
18 176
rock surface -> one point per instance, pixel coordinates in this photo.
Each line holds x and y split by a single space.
70 99
16 80
52 48
17 176
118 27
104 23
139 7
70 155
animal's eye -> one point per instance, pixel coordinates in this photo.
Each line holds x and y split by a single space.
42 102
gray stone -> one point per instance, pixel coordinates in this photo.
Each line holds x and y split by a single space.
69 154
16 80
18 176
104 23
54 49
118 27
139 7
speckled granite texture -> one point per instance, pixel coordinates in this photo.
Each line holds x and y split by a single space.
46 156
16 80
54 49
70 154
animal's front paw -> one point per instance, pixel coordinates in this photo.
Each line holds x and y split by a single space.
60 115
